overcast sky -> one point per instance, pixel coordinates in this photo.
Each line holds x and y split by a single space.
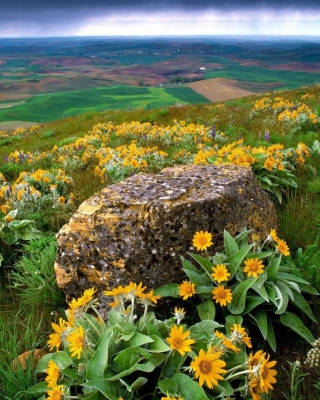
36 18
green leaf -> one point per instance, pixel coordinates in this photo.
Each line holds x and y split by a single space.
206 290
293 278
111 390
204 263
204 326
282 299
236 259
186 264
38 389
252 302
138 339
188 388
9 238
169 290
207 310
285 288
260 318
99 361
158 345
270 288
261 290
199 279
168 387
308 289
272 269
136 385
230 244
293 322
152 362
239 295
61 359
231 320
300 302
271 338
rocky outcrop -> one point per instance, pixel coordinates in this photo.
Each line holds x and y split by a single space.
136 229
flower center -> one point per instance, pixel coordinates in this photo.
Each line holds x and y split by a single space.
265 372
79 342
177 342
222 294
254 266
202 240
205 366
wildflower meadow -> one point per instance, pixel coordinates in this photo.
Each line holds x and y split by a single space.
244 321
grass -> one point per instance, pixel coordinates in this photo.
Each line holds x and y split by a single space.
24 328
289 79
50 107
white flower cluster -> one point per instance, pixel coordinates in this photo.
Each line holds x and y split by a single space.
313 355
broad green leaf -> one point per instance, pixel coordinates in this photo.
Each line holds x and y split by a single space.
300 302
61 359
17 224
169 290
291 285
293 278
9 238
136 385
188 388
38 388
308 289
115 317
270 288
225 388
293 322
242 237
158 345
231 320
252 302
260 318
99 361
285 288
272 269
236 259
205 264
271 338
218 258
111 390
138 339
186 264
199 279
168 387
204 326
207 310
206 290
239 295
230 244
282 299
261 290
153 361
263 254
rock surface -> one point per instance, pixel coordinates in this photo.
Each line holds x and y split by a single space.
135 230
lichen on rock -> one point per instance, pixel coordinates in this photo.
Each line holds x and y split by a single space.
136 230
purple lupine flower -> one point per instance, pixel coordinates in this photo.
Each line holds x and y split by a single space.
213 132
267 135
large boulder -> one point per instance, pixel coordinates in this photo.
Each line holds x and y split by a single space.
135 230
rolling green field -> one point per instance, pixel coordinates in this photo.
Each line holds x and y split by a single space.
53 106
289 79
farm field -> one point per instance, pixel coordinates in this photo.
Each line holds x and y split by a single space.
48 78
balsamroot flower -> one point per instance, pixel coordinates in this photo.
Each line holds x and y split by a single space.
253 267
208 367
77 341
220 273
54 374
202 240
283 248
178 340
186 289
222 295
